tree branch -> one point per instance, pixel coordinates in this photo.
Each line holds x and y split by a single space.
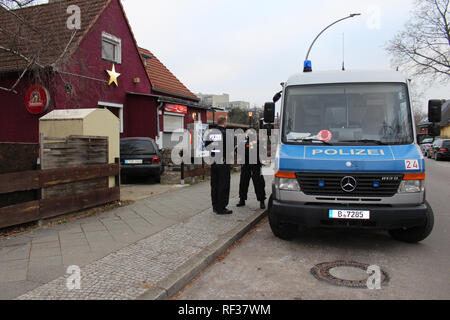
65 49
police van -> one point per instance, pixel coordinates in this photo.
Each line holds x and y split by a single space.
348 156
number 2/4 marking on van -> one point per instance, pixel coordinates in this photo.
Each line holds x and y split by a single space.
412 164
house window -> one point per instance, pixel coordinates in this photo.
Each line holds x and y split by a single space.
116 109
173 122
111 48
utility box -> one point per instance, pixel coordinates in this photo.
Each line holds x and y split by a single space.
84 122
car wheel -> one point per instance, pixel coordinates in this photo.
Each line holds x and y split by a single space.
415 234
123 179
436 157
158 178
285 231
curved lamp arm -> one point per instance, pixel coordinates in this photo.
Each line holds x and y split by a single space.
312 44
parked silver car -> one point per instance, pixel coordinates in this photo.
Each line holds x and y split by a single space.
425 145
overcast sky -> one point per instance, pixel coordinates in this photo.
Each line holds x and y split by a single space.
246 48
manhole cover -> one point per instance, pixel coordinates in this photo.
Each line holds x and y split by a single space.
346 274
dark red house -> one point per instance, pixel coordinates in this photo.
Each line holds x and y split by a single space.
177 106
79 68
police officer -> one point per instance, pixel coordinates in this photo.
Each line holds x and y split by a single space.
220 174
253 171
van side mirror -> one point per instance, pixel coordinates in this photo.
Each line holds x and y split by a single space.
435 111
434 130
269 112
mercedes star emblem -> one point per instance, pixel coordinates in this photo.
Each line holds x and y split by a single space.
348 184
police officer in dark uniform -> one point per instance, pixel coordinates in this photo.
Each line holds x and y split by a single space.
220 175
253 171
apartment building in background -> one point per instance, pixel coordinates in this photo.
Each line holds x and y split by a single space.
214 99
222 101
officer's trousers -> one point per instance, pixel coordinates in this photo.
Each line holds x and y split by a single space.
220 186
252 171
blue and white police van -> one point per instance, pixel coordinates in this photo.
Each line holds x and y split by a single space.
348 156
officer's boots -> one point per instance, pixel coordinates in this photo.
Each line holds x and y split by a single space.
241 203
262 205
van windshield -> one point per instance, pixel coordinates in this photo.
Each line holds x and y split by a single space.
348 114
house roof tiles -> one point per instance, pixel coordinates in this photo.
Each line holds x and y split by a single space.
163 80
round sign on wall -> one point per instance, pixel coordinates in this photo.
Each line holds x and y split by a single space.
37 99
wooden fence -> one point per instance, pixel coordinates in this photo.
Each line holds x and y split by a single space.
47 208
73 151
16 157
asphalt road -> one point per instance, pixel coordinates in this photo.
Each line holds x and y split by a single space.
265 267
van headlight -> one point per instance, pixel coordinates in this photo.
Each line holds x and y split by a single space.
287 184
411 186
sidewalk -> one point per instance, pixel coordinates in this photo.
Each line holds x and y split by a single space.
146 250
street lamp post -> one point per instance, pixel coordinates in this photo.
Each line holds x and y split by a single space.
307 65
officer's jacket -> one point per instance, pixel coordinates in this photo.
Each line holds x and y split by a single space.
253 147
221 148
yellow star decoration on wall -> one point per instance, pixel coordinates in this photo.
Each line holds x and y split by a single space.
113 75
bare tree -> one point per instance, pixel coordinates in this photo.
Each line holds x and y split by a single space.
11 4
423 47
26 40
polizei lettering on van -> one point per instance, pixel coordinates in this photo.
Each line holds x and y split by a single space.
351 152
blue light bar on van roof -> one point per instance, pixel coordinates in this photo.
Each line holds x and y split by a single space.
307 66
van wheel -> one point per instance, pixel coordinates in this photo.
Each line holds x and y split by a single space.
415 234
285 231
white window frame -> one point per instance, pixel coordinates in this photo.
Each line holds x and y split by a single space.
114 105
117 42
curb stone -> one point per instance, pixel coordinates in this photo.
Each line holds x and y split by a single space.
179 278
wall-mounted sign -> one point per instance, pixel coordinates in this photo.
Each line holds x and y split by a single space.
37 99
176 108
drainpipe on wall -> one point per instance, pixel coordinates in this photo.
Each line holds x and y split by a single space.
161 104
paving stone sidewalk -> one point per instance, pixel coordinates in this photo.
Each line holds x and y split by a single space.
122 253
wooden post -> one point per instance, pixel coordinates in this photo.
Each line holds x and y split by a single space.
182 173
41 191
203 169
117 177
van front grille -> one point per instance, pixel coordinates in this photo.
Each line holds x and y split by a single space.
367 184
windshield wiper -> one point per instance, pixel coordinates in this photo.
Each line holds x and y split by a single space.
378 142
311 140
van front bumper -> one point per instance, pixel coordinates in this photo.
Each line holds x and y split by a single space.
381 217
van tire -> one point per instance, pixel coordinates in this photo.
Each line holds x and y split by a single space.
415 234
284 231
